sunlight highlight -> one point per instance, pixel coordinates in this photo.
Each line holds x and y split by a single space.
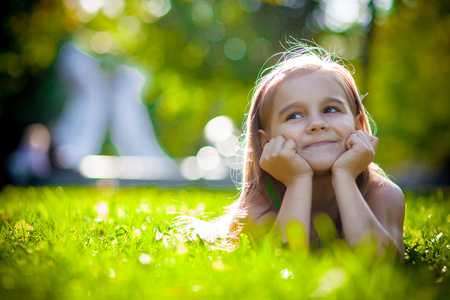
340 14
38 137
128 167
235 48
332 280
228 147
202 13
190 169
159 8
145 259
113 8
214 162
91 6
219 129
208 158
286 274
102 210
101 42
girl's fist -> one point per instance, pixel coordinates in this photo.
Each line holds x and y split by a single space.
361 147
280 159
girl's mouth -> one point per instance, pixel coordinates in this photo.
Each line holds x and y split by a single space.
318 144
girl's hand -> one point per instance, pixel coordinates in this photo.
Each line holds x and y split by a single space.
361 147
281 160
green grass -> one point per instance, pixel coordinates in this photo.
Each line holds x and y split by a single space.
118 243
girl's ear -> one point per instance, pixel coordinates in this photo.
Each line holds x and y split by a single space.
263 137
359 122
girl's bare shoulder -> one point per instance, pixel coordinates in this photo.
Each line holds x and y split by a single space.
383 188
387 202
386 199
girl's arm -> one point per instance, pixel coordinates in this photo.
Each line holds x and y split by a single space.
387 202
281 160
296 206
382 212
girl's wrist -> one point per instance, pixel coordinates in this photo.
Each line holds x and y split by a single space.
343 174
300 180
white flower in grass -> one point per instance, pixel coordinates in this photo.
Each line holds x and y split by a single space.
286 274
136 233
330 281
102 210
112 273
196 288
218 265
145 208
158 235
145 259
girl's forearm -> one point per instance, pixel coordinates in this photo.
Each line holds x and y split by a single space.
296 206
358 220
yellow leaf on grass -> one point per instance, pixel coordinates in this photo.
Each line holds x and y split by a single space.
22 225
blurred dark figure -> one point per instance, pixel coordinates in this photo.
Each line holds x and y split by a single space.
31 159
99 102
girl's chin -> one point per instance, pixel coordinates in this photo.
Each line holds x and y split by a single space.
321 167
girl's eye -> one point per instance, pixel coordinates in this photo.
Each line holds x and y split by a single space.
331 110
294 116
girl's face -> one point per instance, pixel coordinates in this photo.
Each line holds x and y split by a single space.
312 109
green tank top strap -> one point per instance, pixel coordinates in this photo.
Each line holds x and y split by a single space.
273 194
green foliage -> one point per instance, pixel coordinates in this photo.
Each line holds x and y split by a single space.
78 242
427 232
201 58
409 67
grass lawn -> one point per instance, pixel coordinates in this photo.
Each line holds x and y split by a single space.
118 243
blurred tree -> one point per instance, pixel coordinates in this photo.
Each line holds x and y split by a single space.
408 78
31 34
201 58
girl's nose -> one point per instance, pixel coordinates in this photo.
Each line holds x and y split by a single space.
317 124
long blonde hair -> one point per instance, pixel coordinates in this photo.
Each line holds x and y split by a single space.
297 59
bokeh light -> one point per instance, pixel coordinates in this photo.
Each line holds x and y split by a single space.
235 48
145 259
385 5
250 6
101 42
202 13
113 8
38 137
208 158
159 8
128 167
221 171
228 147
340 14
215 31
219 129
94 166
91 6
190 169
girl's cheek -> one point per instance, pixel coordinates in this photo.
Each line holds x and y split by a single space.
294 132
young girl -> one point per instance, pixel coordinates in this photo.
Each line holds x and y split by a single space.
309 151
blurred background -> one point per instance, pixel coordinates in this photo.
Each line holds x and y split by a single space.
178 74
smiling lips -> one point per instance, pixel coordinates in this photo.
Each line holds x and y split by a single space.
318 144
